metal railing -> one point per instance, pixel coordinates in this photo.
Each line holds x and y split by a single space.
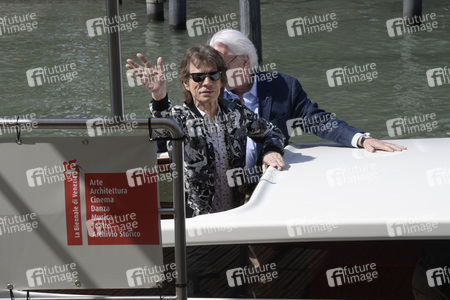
117 114
178 210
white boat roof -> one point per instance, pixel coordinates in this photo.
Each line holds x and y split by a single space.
328 192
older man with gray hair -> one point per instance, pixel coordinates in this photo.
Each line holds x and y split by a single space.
280 98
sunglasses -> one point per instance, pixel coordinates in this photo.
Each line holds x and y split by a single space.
199 77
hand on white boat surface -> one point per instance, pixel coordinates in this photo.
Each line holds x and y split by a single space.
371 145
273 159
150 77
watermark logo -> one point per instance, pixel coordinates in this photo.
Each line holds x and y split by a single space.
21 126
61 73
98 126
237 77
400 26
211 25
195 127
241 176
170 73
310 225
146 175
240 76
136 176
438 276
134 72
354 74
46 175
101 25
219 224
438 176
310 25
143 276
351 274
438 76
199 127
14 224
411 225
351 175
55 274
314 124
236 177
409 125
240 276
105 226
21 23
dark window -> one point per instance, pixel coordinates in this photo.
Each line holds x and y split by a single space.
382 270
389 269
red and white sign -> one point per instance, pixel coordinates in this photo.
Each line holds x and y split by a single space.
69 217
118 214
73 205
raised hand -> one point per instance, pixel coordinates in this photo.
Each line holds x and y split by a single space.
152 78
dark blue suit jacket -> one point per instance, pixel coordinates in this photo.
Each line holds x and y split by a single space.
283 102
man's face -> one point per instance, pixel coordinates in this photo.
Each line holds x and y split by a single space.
205 91
232 61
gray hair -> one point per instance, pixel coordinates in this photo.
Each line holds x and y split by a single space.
238 43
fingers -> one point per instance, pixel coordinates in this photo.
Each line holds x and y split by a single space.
273 159
278 162
146 63
396 147
134 77
147 75
132 64
138 71
160 64
371 145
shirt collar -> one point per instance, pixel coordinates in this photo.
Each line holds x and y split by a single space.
253 90
250 95
204 114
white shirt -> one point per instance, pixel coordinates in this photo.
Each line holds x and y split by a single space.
223 199
251 101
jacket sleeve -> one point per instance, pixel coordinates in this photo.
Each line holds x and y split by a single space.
264 132
311 119
164 109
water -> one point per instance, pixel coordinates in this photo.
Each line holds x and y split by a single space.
401 89
361 37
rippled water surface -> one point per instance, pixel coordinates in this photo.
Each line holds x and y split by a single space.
361 37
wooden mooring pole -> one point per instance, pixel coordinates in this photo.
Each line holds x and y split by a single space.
251 23
177 14
155 10
412 8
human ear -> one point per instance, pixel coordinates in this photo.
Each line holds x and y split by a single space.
186 85
246 59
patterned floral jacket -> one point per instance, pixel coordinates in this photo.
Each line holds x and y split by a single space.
237 121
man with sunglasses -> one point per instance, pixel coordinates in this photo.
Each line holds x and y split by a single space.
282 99
216 129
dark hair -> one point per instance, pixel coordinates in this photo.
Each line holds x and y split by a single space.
201 55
